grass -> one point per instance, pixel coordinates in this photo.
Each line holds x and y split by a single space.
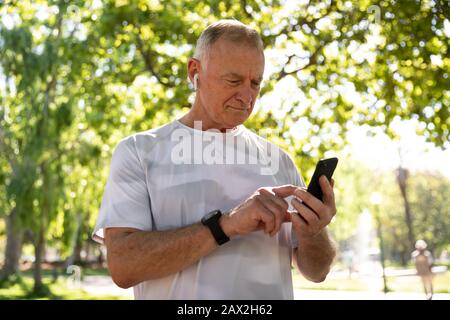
56 290
441 283
329 284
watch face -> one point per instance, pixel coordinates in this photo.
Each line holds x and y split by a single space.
211 220
210 215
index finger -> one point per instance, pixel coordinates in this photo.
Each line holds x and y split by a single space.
284 191
276 198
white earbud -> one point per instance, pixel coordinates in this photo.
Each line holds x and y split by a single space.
195 81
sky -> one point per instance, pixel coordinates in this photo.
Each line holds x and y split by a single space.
380 152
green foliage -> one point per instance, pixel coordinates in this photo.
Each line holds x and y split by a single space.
58 290
430 202
428 194
354 185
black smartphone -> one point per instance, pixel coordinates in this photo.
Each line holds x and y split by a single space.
324 167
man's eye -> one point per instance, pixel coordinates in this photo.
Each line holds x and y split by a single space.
233 82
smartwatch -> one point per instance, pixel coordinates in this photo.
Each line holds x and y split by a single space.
211 220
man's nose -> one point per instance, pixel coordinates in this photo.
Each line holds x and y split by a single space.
245 95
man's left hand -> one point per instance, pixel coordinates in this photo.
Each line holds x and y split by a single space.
310 222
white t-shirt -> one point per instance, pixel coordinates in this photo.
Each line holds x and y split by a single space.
165 178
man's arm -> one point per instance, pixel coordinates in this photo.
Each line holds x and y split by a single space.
314 256
135 256
316 250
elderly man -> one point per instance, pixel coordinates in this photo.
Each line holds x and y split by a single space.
190 209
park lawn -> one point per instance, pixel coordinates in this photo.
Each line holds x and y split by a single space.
59 289
354 284
441 283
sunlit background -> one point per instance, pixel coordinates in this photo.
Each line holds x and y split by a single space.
366 81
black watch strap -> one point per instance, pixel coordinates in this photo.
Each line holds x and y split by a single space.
211 220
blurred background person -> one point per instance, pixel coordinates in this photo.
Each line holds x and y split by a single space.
424 262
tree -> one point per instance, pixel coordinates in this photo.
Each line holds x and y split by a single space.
39 99
430 200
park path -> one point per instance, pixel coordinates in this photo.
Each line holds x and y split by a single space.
362 295
103 285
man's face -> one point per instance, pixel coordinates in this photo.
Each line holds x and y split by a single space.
230 83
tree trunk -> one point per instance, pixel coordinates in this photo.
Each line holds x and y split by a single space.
14 240
39 250
100 258
403 252
402 175
77 252
88 247
75 257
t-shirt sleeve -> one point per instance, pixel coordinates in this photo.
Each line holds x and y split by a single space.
126 201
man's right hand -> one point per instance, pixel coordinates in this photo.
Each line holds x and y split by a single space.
263 210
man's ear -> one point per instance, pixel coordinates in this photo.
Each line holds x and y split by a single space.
193 68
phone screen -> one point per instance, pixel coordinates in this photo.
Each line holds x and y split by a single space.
324 167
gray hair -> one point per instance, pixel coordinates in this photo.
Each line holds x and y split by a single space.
231 30
421 245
